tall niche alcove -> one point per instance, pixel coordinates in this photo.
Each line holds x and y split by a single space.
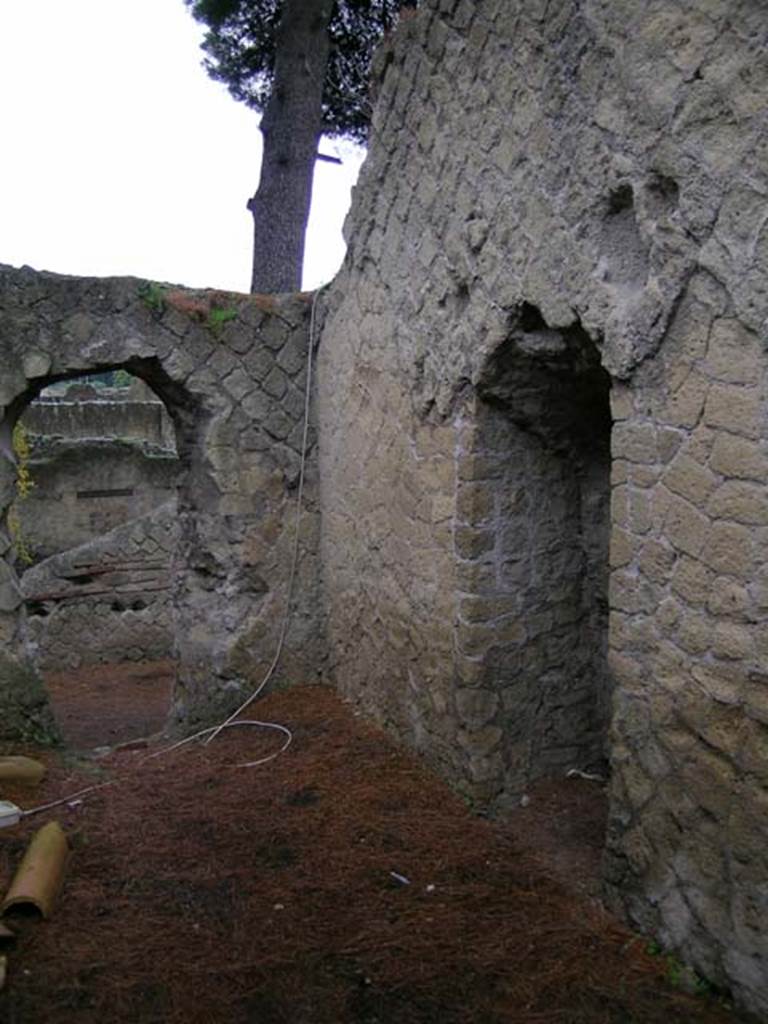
536 540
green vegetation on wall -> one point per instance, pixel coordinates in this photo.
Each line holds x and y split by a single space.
24 486
153 296
219 316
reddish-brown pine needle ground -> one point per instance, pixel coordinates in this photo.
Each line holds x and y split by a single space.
199 893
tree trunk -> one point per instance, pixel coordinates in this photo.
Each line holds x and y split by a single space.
290 127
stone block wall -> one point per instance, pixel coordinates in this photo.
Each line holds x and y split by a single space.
687 842
388 484
142 421
562 201
105 601
232 381
84 488
563 206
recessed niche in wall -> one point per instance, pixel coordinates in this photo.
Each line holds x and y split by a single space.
543 434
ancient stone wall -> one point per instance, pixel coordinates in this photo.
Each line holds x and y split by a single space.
84 488
559 197
555 290
109 600
687 839
231 371
143 421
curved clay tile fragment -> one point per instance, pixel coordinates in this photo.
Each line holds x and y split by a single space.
21 769
38 879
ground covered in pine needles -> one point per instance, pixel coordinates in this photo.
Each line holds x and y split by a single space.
103 705
340 883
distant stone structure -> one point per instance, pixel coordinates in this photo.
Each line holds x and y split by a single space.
95 462
84 488
537 518
104 413
108 600
99 458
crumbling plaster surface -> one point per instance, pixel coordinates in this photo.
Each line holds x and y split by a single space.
107 600
599 167
234 387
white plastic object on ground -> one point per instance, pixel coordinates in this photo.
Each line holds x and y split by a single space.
10 814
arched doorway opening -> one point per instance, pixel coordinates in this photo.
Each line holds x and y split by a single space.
94 530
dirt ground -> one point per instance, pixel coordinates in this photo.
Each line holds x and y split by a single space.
103 705
340 883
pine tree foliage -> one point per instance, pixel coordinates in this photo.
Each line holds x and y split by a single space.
240 52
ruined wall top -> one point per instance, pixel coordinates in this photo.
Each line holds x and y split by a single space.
208 349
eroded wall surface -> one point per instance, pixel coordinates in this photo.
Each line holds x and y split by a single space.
108 600
231 371
559 197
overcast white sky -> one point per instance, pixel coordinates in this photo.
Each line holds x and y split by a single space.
121 156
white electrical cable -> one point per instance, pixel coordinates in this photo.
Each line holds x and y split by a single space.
231 721
66 799
230 725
